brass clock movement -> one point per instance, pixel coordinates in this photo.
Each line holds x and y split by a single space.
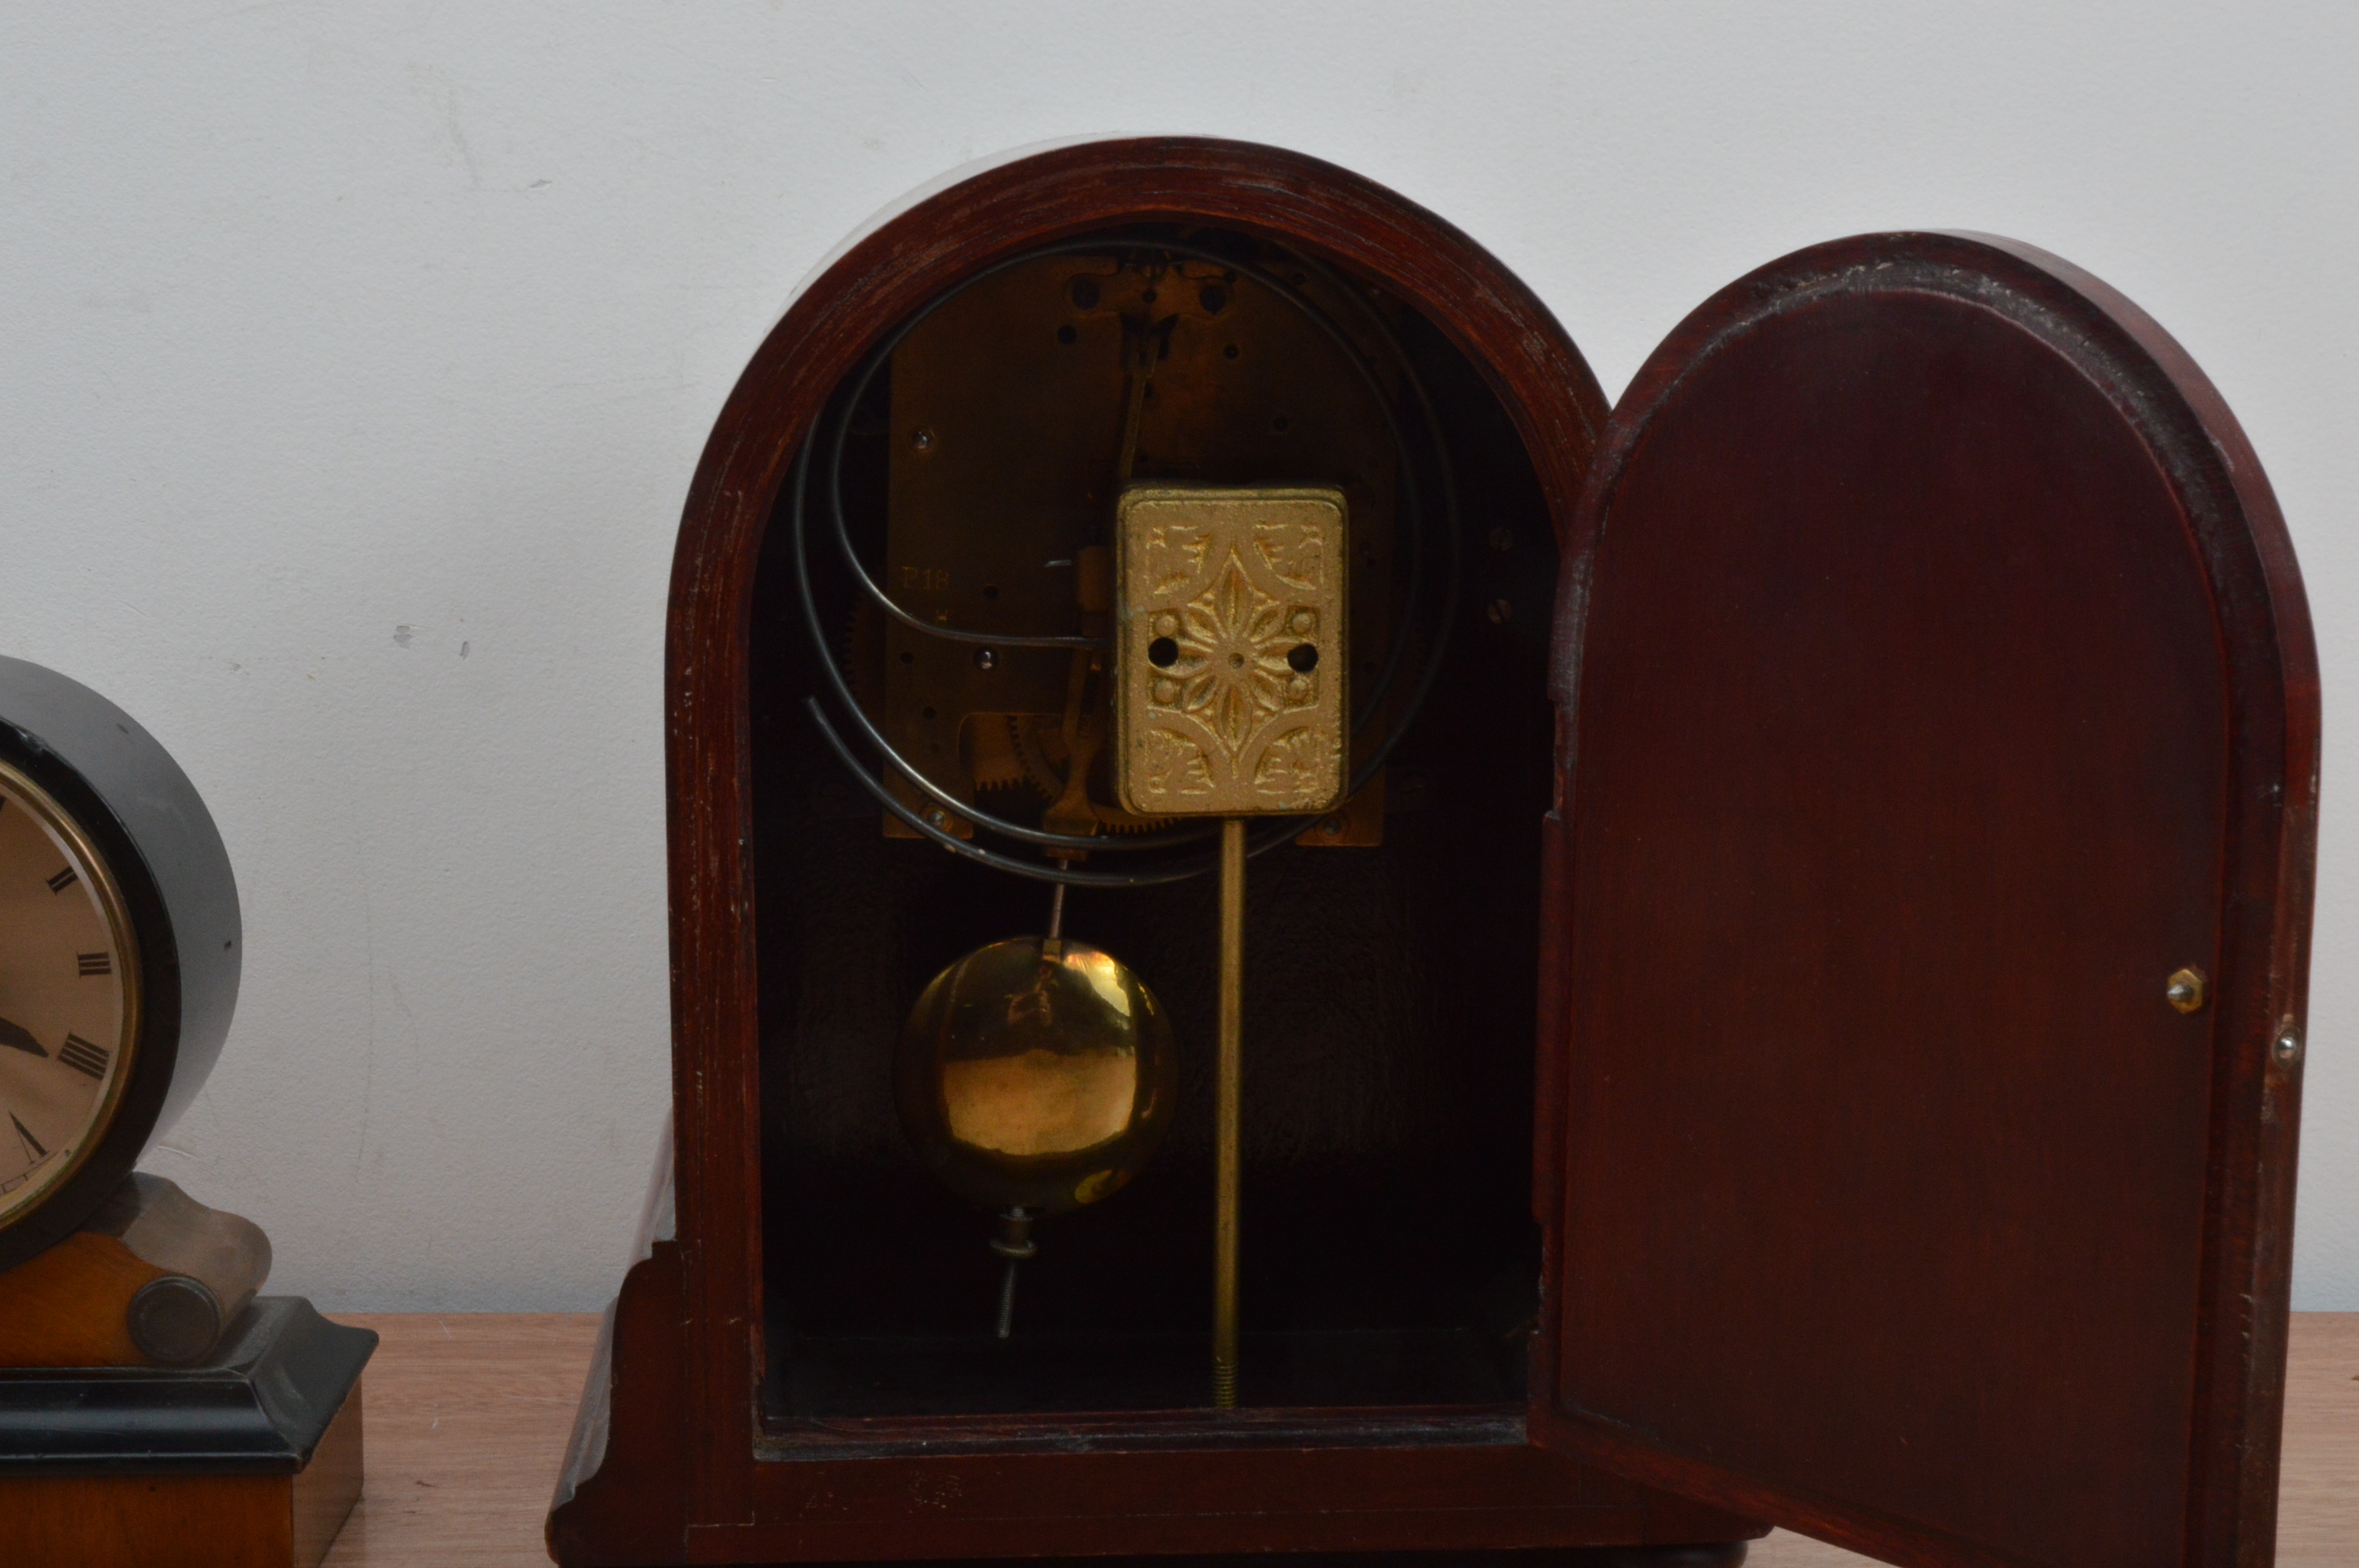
1160 636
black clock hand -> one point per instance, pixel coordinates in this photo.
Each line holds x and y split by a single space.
19 1037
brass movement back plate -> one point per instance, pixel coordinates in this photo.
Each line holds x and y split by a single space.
1229 650
1006 422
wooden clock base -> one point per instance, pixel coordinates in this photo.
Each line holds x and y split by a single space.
248 1454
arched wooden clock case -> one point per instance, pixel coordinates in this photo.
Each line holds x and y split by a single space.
1932 694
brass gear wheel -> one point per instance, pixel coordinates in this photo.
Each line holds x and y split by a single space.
1039 740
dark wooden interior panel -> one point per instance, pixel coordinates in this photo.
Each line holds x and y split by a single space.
1905 747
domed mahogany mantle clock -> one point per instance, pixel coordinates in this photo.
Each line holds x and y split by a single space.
1289 936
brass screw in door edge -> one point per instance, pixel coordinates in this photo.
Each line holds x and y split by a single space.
2288 1043
2185 990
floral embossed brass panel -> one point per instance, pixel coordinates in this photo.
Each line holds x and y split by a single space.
1230 650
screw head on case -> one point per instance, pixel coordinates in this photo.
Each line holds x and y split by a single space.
2185 989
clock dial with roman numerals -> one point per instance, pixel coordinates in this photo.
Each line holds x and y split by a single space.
69 999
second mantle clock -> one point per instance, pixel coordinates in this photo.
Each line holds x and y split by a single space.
1499 975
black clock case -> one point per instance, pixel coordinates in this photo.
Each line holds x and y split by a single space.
147 823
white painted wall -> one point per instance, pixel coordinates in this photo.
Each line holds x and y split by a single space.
354 359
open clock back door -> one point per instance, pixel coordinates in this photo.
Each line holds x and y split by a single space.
1937 688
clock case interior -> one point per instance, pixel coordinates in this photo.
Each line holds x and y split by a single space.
1389 1255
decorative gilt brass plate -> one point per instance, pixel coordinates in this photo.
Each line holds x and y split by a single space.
1230 653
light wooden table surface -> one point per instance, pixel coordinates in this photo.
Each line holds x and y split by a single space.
468 1416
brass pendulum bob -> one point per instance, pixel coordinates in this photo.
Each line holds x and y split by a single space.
1035 1075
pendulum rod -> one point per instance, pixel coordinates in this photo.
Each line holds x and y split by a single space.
1227 1114
1015 1241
